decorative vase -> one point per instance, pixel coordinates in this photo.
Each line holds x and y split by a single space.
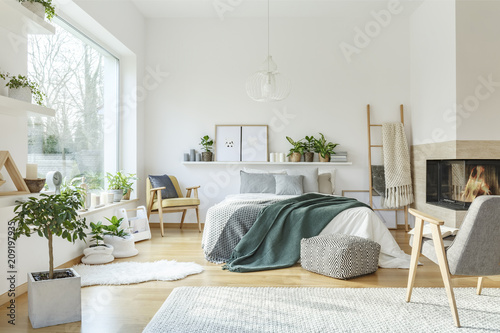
324 159
117 195
37 8
126 196
295 157
22 94
206 156
123 247
35 185
308 156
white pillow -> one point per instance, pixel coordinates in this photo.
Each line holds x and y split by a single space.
276 172
326 182
310 178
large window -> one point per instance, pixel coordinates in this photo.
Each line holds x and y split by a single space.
80 81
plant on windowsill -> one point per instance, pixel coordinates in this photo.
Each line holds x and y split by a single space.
21 88
297 150
54 296
120 184
117 236
41 8
324 149
207 146
309 148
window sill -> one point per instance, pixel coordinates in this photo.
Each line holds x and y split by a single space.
109 206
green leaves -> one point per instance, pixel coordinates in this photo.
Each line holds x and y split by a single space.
120 180
320 146
206 143
324 148
50 10
114 229
298 146
20 81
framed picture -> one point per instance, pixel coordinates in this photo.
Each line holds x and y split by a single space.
246 143
227 143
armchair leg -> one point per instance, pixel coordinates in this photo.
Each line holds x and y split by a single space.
198 218
445 273
479 285
183 216
415 254
160 214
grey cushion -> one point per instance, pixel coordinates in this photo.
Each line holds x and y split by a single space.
289 185
339 256
164 181
310 178
257 183
427 248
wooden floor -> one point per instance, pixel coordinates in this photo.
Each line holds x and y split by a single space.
110 309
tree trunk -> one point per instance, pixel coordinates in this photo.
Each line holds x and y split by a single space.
51 256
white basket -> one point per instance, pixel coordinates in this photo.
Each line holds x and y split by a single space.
138 225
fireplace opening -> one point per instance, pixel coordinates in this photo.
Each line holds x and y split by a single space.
455 184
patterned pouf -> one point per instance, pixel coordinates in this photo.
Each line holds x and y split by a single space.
339 256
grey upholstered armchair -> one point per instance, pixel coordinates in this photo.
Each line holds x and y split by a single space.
475 251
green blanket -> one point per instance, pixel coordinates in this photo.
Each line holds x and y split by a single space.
274 239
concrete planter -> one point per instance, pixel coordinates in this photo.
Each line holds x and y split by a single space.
22 94
206 156
54 302
123 247
97 255
4 91
117 195
308 156
37 8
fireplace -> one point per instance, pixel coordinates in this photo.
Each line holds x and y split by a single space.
454 184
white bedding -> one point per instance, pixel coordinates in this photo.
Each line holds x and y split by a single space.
361 221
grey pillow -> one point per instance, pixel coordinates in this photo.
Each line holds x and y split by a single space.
164 181
310 177
289 185
257 183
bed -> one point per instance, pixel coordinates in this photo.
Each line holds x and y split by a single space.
228 221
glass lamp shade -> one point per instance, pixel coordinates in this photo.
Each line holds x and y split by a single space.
267 85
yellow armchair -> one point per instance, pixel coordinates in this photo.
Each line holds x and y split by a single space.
157 205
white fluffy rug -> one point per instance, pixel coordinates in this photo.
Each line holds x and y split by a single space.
231 309
135 272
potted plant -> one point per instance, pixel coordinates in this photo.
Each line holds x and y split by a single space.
309 149
97 252
40 7
296 151
207 146
21 88
324 149
120 184
53 296
117 236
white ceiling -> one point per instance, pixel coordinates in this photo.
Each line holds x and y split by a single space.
258 8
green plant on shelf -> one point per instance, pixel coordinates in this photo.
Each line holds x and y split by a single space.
50 9
20 81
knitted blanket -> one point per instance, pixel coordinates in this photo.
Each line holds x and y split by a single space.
398 185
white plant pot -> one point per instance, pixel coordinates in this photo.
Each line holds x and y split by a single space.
22 94
4 91
98 255
54 302
123 247
117 195
37 8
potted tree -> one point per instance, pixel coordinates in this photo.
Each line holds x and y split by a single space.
97 252
21 88
324 149
309 149
207 146
120 184
117 236
53 296
296 151
40 7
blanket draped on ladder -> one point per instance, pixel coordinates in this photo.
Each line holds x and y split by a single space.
398 185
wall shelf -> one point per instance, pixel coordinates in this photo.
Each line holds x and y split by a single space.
13 107
268 163
20 20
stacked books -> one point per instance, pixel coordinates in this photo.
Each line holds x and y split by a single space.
340 156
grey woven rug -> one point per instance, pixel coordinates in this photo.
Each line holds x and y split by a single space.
230 309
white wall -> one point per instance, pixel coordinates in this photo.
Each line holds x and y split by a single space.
478 54
209 61
433 72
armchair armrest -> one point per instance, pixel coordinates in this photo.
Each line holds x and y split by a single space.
189 189
157 188
425 217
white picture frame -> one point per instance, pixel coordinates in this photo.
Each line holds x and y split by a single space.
254 147
228 143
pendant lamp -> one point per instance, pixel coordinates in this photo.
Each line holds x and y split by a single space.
267 84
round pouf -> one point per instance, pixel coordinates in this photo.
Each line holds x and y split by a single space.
339 256
123 247
96 255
